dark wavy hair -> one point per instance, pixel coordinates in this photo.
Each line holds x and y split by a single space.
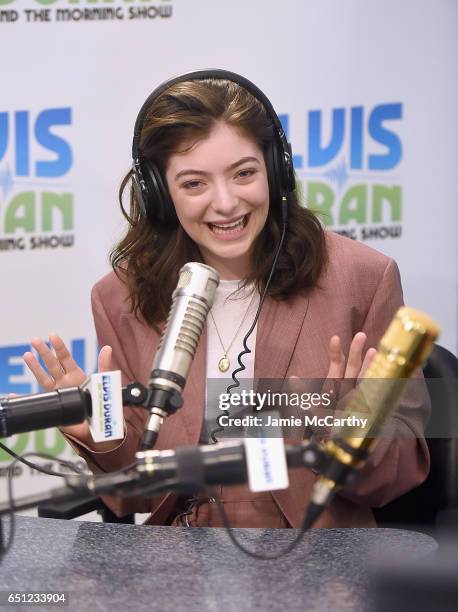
150 255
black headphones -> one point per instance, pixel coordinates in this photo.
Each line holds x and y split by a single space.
150 187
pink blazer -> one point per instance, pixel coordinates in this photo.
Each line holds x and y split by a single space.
360 290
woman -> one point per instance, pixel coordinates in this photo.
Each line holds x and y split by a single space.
208 186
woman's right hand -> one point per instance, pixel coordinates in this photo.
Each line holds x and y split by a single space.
60 371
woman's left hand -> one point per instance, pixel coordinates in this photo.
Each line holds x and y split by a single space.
356 365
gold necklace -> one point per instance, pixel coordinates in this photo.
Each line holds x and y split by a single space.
224 363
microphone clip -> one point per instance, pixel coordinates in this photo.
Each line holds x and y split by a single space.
167 400
159 401
135 394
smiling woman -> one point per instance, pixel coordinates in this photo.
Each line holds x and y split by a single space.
223 208
213 156
212 181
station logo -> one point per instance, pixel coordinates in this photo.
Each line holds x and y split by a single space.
78 11
349 171
36 206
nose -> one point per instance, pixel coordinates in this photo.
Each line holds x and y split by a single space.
225 201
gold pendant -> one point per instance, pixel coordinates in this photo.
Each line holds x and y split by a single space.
224 364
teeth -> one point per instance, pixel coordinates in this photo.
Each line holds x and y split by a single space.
231 226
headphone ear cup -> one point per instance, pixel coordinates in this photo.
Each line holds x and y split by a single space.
273 173
280 170
158 203
140 187
288 168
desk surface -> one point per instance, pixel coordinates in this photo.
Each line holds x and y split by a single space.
128 567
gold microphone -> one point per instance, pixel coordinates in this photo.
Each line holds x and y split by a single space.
405 346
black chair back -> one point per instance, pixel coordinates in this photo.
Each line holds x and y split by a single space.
436 499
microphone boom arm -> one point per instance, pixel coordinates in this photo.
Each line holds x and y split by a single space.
199 466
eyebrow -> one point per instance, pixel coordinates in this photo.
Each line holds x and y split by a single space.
241 161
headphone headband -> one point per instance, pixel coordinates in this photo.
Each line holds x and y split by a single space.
148 181
200 75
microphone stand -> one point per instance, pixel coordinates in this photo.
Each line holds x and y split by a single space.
224 464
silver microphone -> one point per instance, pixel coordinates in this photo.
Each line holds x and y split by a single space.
191 301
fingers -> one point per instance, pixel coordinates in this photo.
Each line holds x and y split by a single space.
357 363
367 362
43 378
293 385
336 359
59 369
49 358
105 356
63 355
355 355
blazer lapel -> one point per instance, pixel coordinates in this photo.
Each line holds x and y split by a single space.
279 326
194 393
278 330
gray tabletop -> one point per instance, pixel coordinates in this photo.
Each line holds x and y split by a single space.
128 567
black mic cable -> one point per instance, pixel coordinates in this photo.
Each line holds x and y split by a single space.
246 350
